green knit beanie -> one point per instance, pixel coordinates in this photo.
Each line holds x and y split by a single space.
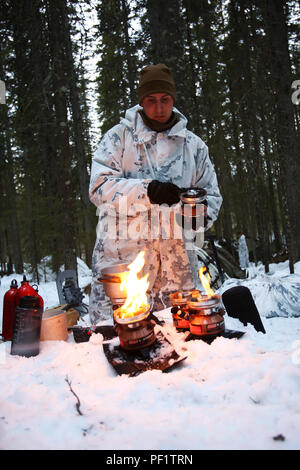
156 79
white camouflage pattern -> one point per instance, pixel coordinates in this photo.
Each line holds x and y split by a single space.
129 156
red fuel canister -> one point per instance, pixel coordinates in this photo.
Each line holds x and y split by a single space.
27 290
9 305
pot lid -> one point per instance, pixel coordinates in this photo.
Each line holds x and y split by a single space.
114 269
204 302
193 195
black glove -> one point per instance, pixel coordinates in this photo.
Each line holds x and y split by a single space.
163 193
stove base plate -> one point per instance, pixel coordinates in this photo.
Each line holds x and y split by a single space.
230 334
160 355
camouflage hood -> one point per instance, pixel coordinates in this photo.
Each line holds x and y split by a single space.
142 134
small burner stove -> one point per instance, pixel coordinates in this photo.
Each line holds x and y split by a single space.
179 309
136 332
205 315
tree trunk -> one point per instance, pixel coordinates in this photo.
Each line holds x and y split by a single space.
78 131
129 55
57 34
9 187
272 202
12 201
167 45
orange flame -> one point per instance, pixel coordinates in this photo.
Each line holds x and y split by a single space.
205 281
136 289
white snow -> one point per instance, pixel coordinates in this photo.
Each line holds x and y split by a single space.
232 394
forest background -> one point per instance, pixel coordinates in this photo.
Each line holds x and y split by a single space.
71 69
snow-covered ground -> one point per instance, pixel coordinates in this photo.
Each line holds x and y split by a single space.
232 394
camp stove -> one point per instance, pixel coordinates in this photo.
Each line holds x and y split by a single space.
205 315
179 309
136 332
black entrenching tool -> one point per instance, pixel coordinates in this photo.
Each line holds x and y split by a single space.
239 303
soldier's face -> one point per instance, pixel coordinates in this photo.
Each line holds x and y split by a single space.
158 106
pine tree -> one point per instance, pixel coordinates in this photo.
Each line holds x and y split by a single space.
116 70
288 142
10 247
57 34
163 42
78 133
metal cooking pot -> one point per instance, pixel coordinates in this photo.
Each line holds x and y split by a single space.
191 201
114 270
111 279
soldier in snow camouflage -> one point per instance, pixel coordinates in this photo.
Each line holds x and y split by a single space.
136 174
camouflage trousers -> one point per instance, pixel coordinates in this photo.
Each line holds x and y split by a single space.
170 268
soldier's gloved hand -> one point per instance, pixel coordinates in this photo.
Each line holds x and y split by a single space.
163 193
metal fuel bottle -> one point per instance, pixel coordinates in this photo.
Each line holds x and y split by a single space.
26 289
9 305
